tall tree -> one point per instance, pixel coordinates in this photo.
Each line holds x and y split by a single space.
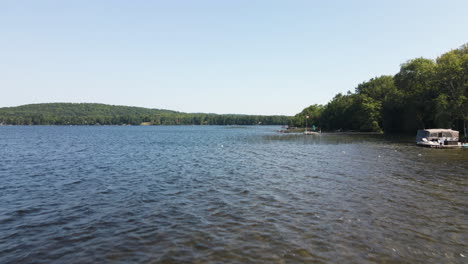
415 81
452 83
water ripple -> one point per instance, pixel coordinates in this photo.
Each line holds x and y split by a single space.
217 195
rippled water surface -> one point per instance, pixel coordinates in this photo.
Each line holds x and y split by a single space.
227 195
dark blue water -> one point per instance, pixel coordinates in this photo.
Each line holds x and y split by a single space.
227 195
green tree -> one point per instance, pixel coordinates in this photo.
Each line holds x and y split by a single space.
415 81
313 112
452 84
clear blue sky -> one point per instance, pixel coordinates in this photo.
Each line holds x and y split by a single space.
252 57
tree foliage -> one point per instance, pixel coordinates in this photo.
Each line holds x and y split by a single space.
424 93
313 112
101 114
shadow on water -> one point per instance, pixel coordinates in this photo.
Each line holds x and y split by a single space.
340 138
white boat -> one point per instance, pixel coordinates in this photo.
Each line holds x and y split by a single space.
438 138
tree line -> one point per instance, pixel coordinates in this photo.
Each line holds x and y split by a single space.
425 93
102 114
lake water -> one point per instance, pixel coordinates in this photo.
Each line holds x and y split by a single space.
192 194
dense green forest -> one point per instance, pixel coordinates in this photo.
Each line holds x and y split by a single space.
425 93
101 114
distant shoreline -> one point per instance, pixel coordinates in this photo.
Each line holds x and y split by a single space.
102 114
100 125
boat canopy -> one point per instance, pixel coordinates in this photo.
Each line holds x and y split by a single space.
437 133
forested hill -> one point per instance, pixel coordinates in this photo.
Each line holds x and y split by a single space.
77 109
102 114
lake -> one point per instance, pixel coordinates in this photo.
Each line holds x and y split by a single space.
214 194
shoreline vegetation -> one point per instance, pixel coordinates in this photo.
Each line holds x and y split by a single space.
425 93
102 114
